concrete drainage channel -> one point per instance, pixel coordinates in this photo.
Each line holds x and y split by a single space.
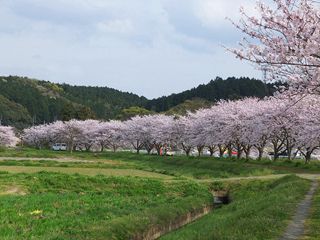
219 198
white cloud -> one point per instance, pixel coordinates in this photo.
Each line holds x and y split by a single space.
213 13
116 26
151 47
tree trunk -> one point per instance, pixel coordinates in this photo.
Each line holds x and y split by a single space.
308 157
230 151
247 151
221 150
212 150
260 150
114 148
187 152
200 148
275 151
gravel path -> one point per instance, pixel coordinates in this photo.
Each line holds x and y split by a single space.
296 228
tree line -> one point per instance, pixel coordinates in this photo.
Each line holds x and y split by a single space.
25 102
243 126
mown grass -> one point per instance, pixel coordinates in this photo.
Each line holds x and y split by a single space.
197 167
178 166
260 210
85 171
313 223
174 167
59 206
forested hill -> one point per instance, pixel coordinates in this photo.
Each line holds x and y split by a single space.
25 101
215 90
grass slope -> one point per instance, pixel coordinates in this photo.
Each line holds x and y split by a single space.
260 210
58 206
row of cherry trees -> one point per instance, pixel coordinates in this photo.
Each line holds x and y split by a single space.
242 126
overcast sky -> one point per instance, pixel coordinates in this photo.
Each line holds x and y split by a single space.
148 47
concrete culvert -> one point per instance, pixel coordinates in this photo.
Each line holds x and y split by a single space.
221 197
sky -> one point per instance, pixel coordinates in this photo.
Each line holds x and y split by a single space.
148 47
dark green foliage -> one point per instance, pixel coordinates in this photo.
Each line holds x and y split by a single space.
43 101
72 111
12 113
231 88
189 106
128 113
105 102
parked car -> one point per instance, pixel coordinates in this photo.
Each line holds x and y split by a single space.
280 155
170 153
59 147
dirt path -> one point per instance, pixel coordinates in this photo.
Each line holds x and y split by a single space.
296 228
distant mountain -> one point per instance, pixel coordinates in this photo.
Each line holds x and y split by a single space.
25 101
106 103
231 88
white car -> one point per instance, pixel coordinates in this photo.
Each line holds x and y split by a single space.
59 147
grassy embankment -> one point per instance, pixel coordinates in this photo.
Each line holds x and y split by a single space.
260 210
59 206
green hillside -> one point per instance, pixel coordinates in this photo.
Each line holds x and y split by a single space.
25 101
12 113
189 106
42 101
105 102
231 88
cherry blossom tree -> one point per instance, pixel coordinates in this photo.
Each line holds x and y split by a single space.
87 134
37 136
7 137
137 133
114 134
160 127
284 39
180 136
197 131
307 130
69 132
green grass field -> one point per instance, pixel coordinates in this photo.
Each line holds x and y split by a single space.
59 206
58 195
